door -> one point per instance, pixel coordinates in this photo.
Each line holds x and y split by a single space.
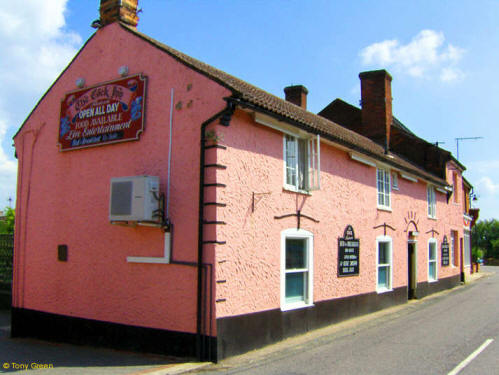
411 270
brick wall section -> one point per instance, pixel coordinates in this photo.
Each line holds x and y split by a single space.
119 10
296 95
376 95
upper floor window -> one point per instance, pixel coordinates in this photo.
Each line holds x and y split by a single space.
395 181
455 187
383 182
432 201
302 163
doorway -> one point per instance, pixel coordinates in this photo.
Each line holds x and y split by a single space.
411 270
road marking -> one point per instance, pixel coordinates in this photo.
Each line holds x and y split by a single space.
471 357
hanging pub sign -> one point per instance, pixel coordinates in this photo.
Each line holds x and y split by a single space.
106 113
445 252
348 253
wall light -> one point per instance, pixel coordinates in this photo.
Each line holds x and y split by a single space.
80 82
123 71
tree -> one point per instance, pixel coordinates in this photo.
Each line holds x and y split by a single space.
7 225
485 235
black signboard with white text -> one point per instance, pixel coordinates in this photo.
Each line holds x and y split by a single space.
445 252
348 253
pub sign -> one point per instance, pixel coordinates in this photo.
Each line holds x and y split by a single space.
445 252
106 113
348 253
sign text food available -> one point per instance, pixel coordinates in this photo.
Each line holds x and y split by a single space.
107 113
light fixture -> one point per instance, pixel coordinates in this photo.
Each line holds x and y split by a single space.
123 71
96 24
80 82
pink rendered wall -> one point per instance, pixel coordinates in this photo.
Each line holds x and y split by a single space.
63 197
250 261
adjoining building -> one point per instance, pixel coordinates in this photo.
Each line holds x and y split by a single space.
164 205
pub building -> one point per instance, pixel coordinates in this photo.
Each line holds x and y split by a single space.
166 206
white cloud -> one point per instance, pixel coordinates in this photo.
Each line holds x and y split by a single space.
35 49
487 186
426 55
35 45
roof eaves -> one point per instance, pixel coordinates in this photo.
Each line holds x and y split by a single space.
374 150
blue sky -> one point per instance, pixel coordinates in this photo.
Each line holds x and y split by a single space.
442 55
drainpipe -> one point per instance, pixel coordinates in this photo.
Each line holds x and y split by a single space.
225 117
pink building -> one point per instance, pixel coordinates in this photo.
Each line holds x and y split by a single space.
164 205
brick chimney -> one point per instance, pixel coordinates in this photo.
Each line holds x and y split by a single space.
376 93
296 95
119 11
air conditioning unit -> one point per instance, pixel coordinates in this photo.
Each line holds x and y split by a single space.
135 198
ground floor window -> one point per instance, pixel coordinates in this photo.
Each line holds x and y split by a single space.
384 264
432 260
296 268
467 248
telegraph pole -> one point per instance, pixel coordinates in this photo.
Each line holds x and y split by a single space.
463 139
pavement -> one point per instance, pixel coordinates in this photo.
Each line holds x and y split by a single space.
76 360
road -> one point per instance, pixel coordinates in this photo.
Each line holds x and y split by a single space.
433 336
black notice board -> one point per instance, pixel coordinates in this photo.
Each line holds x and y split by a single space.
348 253
445 252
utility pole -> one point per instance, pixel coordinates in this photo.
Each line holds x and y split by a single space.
463 139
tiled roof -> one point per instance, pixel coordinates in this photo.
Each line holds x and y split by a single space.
297 115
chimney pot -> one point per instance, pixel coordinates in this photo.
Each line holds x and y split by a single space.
119 11
297 95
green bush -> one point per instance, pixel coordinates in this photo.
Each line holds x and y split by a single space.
485 236
477 253
7 225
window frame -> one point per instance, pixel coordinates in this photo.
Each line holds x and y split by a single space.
466 246
306 166
455 187
395 181
385 184
384 239
431 200
432 279
309 248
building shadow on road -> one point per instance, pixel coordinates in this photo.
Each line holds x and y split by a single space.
16 353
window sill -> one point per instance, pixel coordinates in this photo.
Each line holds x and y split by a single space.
383 208
432 280
295 306
384 290
432 218
295 190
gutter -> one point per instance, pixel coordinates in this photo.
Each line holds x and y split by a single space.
225 116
